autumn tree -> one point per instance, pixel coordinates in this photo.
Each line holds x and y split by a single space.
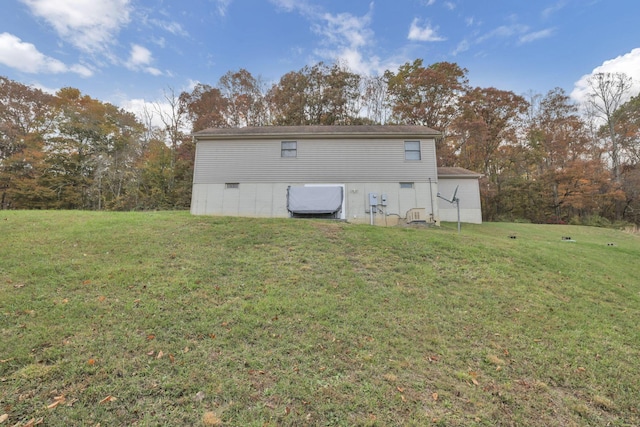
627 130
560 152
244 95
205 106
608 92
426 96
287 100
318 95
26 118
375 104
91 155
487 137
489 119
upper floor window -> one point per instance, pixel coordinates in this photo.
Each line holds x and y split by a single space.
289 149
412 150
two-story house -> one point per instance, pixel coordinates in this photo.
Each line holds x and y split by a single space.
367 174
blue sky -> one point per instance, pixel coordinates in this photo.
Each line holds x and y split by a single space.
131 52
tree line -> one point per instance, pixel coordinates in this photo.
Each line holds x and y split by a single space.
543 158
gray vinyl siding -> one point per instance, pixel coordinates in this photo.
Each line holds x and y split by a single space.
317 161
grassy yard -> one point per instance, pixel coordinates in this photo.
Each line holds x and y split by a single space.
171 319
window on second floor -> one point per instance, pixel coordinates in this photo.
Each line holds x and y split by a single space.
412 150
289 149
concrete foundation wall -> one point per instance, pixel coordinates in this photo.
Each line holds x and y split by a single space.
270 200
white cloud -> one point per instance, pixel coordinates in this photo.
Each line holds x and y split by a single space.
463 46
25 57
172 27
144 110
140 59
628 64
537 35
151 112
302 6
546 13
223 5
346 29
423 34
89 25
345 38
504 31
140 55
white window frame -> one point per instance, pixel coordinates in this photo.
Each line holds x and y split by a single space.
289 149
412 151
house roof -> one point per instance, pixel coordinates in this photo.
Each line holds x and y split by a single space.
454 172
357 131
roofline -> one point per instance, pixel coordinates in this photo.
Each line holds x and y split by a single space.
333 132
460 173
462 176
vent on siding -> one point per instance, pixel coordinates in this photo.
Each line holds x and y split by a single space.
417 214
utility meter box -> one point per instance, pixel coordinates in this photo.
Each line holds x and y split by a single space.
372 202
383 199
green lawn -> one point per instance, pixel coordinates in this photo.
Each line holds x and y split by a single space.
172 319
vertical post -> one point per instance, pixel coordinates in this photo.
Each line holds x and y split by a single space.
458 207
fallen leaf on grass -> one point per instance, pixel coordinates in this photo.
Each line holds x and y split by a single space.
33 422
160 354
91 362
56 401
390 377
150 337
6 360
211 419
4 417
102 298
107 399
171 358
473 376
434 396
